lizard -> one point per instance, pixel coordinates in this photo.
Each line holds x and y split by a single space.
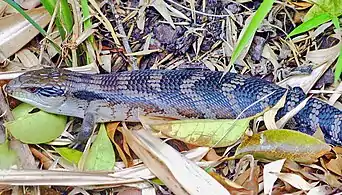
179 94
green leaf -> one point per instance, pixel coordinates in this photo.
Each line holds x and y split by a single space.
336 22
338 69
64 20
69 154
203 132
34 126
86 14
7 156
310 24
280 144
66 15
252 27
332 7
101 155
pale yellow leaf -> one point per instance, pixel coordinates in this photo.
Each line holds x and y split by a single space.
204 132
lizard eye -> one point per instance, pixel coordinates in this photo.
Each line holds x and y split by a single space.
31 89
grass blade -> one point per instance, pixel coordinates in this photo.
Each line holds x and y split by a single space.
87 22
338 69
310 24
260 14
64 20
66 15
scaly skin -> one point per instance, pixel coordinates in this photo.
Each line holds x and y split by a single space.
174 93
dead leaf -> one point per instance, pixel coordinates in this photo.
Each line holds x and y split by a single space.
296 181
319 134
28 4
130 191
269 178
212 156
337 149
252 183
269 116
295 167
27 58
111 129
301 5
200 132
46 161
231 186
16 31
160 6
335 165
324 189
179 174
279 144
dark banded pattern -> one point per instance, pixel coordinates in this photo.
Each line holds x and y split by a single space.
173 93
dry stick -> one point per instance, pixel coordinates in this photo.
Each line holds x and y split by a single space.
6 115
48 31
75 32
198 12
124 39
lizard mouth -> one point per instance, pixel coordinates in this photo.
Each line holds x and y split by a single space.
37 100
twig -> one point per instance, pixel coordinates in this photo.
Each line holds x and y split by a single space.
198 12
124 38
48 32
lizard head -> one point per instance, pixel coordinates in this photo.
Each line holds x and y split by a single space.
44 88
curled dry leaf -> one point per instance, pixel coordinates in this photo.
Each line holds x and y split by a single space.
231 186
161 7
111 129
335 165
279 144
218 133
301 5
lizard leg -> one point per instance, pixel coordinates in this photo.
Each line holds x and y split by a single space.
88 125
